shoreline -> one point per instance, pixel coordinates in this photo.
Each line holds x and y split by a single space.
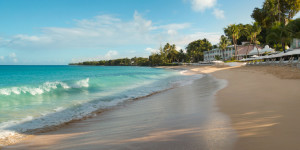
260 118
19 137
262 103
178 122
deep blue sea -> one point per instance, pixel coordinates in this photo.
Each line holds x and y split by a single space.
34 97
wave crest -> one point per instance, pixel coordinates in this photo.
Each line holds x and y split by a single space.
45 87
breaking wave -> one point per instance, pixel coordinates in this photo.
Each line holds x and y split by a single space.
45 87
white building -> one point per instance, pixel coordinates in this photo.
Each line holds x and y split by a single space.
243 52
212 54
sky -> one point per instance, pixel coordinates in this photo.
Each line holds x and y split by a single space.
57 32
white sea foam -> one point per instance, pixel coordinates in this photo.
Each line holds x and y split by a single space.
183 72
82 83
46 87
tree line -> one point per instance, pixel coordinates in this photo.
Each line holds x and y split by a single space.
273 26
167 55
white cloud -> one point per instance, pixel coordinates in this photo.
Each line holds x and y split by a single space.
184 40
151 50
172 32
132 51
106 31
99 32
110 54
13 57
1 58
201 5
219 13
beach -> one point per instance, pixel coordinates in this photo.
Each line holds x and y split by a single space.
263 104
179 118
229 108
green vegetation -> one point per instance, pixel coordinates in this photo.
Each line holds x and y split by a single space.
233 31
196 48
273 26
224 42
279 34
272 13
117 62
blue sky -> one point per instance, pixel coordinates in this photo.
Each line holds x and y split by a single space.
36 32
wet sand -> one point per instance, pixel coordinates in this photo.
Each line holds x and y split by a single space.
180 118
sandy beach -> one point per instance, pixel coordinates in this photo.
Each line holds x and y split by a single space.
263 104
256 110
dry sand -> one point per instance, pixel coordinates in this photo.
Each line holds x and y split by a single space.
262 103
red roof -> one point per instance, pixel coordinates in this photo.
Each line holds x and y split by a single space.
242 49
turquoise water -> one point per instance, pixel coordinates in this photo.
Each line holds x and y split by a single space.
37 96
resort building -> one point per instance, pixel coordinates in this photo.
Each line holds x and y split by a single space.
214 53
243 51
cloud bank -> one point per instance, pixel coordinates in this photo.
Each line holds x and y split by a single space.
107 32
99 32
12 57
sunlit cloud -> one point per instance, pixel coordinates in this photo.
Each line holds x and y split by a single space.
151 50
202 5
112 54
99 32
219 13
107 32
13 57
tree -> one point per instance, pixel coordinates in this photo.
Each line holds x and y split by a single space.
274 11
215 46
294 28
279 33
173 54
255 31
181 56
233 31
196 48
247 32
224 42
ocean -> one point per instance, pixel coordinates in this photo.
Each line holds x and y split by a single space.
34 97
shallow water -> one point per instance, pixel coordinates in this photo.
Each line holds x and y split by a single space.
37 96
180 118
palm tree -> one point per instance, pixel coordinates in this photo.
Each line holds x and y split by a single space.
224 42
255 31
246 31
233 31
173 53
279 33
